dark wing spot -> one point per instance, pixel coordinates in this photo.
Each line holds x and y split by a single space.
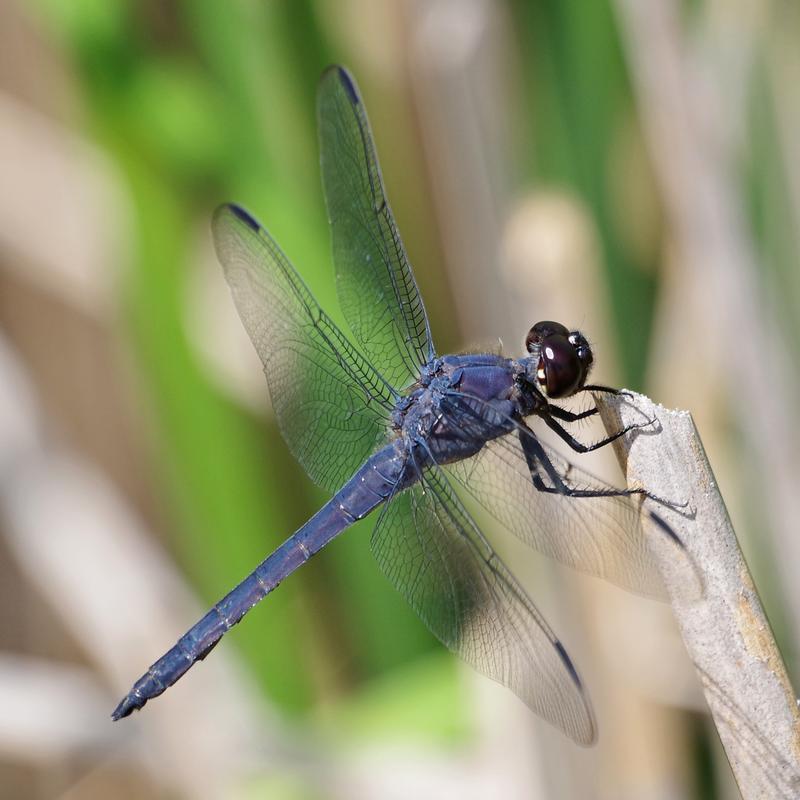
667 529
349 85
568 663
244 216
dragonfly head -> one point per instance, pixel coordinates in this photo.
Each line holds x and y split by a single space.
562 357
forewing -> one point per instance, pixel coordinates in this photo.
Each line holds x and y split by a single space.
599 535
331 405
435 555
377 291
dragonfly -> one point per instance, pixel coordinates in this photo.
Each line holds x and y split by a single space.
385 424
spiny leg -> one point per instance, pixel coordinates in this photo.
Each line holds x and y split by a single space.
535 457
579 447
569 416
598 387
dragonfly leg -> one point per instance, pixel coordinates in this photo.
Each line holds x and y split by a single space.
579 447
537 460
598 387
569 416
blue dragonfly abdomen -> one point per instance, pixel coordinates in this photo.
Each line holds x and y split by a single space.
369 487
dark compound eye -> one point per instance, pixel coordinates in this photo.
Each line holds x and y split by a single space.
562 369
564 358
541 331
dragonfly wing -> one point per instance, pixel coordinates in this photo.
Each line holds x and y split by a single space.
332 405
436 556
376 286
600 535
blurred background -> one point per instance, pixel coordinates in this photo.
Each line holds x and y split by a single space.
631 168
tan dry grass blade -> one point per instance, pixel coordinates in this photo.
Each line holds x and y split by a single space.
726 632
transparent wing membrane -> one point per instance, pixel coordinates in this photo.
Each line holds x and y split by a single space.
435 555
377 290
332 405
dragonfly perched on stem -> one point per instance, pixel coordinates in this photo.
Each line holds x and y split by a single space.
384 423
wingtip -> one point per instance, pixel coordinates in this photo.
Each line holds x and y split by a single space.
241 214
667 529
591 737
586 735
567 661
344 77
